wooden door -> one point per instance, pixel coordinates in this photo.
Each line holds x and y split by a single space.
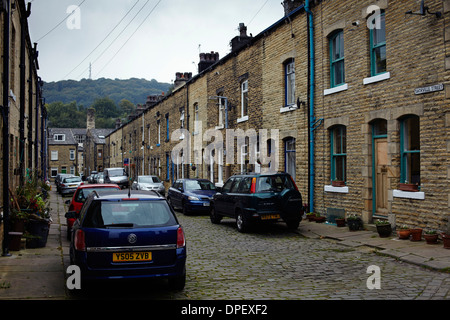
381 177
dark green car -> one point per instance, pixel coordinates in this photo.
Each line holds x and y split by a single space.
253 198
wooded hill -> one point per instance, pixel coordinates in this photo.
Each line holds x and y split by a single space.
68 100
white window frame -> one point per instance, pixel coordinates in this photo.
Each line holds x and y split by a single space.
54 155
71 154
244 99
59 137
221 115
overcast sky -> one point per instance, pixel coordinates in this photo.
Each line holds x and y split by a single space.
150 39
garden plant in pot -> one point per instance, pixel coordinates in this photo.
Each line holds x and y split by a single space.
403 232
446 240
431 236
416 234
383 228
354 222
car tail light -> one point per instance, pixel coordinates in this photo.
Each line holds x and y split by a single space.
181 241
62 185
79 240
253 186
293 182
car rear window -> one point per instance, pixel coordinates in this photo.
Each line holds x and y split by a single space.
128 214
199 185
82 194
116 172
273 183
74 179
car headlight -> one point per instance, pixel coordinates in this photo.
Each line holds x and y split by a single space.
193 198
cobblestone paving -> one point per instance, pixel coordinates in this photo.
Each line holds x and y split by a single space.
274 263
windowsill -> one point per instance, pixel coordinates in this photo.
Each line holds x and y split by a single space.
242 119
291 107
337 89
336 189
219 127
419 195
377 78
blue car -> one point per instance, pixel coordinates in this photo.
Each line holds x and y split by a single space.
128 236
191 195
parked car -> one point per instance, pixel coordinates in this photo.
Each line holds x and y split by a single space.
191 195
79 197
91 177
148 183
118 236
252 198
100 178
59 178
117 176
68 185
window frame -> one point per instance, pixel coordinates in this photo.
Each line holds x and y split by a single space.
287 156
244 98
374 47
334 134
54 155
405 172
335 62
289 82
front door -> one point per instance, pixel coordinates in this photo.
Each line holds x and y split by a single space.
381 177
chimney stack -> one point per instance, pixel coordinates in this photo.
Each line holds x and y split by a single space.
182 78
241 40
207 60
90 122
290 5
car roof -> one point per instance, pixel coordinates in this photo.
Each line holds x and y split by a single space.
254 174
99 185
127 194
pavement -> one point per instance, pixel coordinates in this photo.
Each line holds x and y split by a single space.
40 273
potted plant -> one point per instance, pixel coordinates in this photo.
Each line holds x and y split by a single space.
403 232
340 222
354 222
319 218
338 183
446 240
431 236
383 228
408 187
310 216
416 234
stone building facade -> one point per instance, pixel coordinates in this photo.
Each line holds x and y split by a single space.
355 94
23 125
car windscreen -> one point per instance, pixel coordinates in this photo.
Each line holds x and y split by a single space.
149 180
116 173
82 194
128 214
199 185
74 179
274 183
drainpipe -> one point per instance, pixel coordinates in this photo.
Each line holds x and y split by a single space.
5 112
311 104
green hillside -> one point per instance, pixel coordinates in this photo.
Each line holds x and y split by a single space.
86 91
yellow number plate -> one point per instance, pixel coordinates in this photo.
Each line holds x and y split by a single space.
270 216
132 256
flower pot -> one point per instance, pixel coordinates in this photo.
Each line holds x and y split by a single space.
338 183
320 219
354 224
408 187
340 222
15 240
38 230
403 234
431 238
446 240
416 234
384 230
310 217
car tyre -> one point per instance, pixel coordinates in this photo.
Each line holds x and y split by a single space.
292 224
213 216
242 222
184 209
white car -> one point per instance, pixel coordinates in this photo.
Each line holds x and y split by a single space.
148 183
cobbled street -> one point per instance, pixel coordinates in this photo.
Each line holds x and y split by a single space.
274 263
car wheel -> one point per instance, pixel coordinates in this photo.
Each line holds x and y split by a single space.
242 222
214 217
184 209
292 224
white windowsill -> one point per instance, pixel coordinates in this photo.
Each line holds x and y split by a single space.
377 78
419 195
291 107
336 189
219 127
242 119
339 88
